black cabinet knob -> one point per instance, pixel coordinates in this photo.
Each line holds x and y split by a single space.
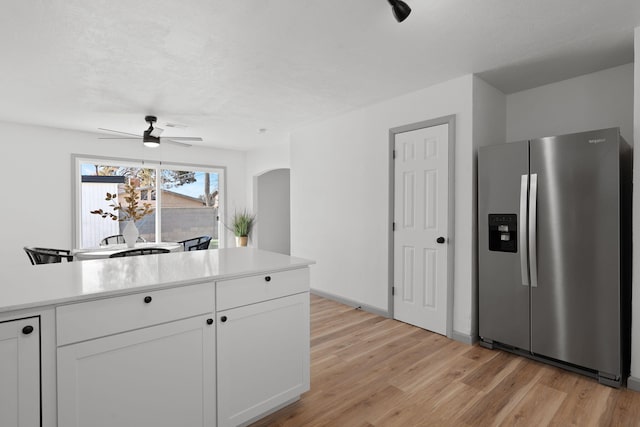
209 321
27 330
440 240
147 299
223 319
267 279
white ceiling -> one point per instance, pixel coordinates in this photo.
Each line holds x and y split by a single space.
227 68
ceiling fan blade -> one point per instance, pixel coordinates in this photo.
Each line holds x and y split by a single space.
117 131
156 132
184 138
120 137
171 141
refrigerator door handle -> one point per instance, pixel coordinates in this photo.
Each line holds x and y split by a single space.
522 229
533 229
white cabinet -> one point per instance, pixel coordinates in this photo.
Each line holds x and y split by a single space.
157 376
133 342
20 373
263 348
157 371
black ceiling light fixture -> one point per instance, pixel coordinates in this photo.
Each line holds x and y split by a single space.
151 136
400 9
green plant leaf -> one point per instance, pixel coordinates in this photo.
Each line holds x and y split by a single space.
241 223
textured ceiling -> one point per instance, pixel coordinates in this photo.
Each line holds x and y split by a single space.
227 68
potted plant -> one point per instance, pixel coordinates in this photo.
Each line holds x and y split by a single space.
129 213
241 224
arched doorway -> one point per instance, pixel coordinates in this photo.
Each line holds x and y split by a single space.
271 201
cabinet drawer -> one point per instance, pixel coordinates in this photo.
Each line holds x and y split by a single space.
248 290
93 319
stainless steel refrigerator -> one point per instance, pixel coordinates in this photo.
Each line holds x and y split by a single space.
554 236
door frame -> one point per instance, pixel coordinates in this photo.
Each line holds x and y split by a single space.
451 121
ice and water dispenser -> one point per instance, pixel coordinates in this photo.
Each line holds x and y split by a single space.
503 232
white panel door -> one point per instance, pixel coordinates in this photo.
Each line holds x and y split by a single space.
421 218
160 376
20 373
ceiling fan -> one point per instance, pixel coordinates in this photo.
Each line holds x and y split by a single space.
151 136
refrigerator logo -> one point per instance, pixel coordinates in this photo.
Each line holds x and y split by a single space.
597 141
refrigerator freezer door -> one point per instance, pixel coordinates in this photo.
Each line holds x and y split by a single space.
503 294
575 308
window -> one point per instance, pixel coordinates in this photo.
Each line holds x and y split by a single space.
147 194
185 200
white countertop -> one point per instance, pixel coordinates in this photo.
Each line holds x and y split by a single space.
32 286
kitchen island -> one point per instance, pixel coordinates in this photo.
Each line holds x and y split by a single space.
202 338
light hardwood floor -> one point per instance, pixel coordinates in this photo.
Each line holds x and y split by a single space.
370 371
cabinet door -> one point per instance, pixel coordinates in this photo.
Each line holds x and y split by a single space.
263 357
158 376
20 373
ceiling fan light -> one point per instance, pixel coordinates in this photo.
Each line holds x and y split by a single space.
149 140
400 9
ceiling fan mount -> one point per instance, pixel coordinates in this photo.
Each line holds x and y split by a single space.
151 136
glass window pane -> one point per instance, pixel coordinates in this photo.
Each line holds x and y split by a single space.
183 201
189 205
99 180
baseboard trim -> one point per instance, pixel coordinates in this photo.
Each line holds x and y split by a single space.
351 303
633 383
463 338
457 336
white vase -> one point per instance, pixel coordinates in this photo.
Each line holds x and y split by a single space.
130 233
241 241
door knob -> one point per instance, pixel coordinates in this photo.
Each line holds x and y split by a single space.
440 240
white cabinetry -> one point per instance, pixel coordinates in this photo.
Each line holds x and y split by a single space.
132 342
263 344
138 360
20 373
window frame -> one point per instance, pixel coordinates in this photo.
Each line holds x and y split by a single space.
76 176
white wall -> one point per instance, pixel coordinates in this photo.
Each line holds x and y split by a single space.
489 127
593 101
340 195
262 160
489 114
635 317
37 196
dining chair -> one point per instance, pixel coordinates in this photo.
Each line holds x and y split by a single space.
47 255
139 251
196 243
117 239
